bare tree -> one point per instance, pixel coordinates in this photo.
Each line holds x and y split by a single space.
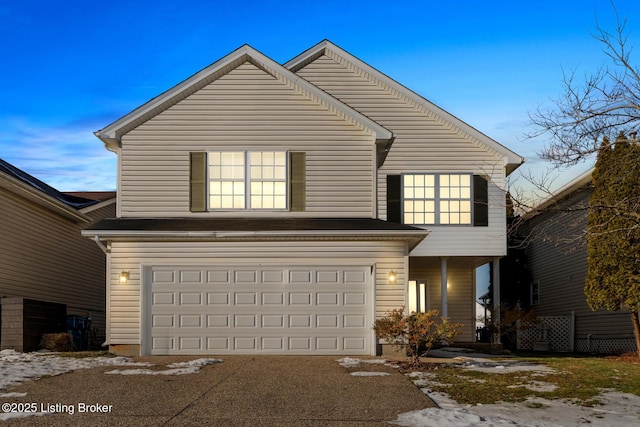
603 104
594 115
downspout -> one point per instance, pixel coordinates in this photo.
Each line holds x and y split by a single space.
107 250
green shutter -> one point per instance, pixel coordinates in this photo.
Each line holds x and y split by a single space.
198 182
394 198
297 181
480 201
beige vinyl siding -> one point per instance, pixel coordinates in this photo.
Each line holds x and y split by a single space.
247 109
131 256
557 259
44 257
424 143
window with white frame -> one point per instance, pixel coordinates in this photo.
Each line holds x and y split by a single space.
437 198
247 180
535 293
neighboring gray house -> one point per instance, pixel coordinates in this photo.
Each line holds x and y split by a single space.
268 208
557 260
48 268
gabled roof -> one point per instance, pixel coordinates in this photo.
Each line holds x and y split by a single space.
325 47
111 135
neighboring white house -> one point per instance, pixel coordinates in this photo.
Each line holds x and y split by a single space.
268 208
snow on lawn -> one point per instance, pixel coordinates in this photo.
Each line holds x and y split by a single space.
616 410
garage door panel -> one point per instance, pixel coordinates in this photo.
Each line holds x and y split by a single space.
330 277
191 276
354 321
163 321
246 276
218 321
277 310
300 321
218 298
323 298
190 321
273 298
327 344
163 298
300 298
218 344
273 321
245 343
355 298
300 343
301 277
327 321
245 298
219 277
273 343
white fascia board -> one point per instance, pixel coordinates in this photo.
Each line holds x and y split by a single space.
513 159
111 134
390 234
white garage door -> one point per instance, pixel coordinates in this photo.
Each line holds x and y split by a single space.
242 310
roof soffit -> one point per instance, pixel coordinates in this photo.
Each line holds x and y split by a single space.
111 134
512 160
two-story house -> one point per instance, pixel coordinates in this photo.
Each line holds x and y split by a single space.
268 208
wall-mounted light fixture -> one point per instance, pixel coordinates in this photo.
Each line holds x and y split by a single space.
124 277
392 277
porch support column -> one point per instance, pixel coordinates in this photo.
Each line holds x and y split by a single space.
443 284
495 316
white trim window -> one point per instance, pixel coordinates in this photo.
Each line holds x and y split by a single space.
535 293
247 180
430 199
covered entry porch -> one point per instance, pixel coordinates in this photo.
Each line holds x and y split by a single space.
449 285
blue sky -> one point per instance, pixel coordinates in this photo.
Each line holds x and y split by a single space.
71 68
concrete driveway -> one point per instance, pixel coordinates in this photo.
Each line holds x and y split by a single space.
241 391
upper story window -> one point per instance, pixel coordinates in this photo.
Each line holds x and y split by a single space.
247 180
438 199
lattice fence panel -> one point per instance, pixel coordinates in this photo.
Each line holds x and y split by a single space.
559 333
606 345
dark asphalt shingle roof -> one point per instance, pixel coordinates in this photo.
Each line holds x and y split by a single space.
69 200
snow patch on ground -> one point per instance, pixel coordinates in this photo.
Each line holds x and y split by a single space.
15 367
353 362
178 368
369 374
616 410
